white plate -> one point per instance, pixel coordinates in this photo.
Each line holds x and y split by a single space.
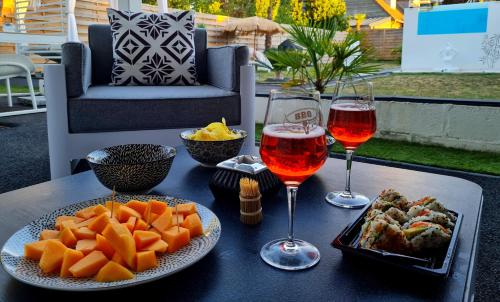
28 271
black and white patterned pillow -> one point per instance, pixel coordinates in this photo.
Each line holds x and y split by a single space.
153 49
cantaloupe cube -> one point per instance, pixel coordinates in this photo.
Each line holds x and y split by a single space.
130 224
84 233
158 246
164 221
124 213
103 245
118 259
157 207
68 224
34 250
141 225
185 208
49 234
145 238
122 242
85 223
60 219
89 265
86 213
99 209
86 246
152 217
151 229
176 238
139 206
193 224
115 205
99 223
113 271
146 260
177 219
68 238
70 257
52 256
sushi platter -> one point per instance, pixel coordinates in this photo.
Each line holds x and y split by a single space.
420 236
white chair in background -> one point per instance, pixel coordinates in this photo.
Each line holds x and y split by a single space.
11 66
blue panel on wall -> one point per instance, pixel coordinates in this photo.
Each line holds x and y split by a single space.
461 21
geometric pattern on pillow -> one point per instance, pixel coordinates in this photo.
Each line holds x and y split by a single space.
153 49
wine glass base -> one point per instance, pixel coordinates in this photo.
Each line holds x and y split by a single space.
348 201
300 256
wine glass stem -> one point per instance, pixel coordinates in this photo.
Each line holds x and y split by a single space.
292 198
348 157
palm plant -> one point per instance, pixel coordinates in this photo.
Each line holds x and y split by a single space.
324 59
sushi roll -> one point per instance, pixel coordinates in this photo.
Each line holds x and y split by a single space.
432 204
390 198
419 213
426 235
380 234
398 215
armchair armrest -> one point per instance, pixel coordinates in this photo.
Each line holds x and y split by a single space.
223 66
76 58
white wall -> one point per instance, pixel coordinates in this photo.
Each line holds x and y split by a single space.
449 125
459 52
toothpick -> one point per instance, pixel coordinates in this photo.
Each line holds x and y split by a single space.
113 194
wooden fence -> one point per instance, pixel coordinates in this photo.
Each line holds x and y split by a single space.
383 42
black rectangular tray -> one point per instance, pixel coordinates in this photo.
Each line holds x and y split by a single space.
438 264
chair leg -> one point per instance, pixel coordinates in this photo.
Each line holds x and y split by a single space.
32 91
9 93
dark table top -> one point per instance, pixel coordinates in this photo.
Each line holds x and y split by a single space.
234 270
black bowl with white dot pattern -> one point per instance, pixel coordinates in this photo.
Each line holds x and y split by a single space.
28 271
132 168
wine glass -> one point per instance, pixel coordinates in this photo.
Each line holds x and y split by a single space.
351 122
293 147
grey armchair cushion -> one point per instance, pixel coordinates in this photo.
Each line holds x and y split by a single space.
76 58
223 66
101 44
129 108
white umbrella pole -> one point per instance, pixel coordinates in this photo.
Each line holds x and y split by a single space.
163 6
72 28
113 4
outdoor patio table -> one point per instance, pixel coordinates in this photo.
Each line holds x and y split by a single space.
233 271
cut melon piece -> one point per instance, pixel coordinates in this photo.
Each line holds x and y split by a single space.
115 205
186 208
145 238
86 246
103 245
85 223
99 223
130 224
68 238
34 250
177 219
164 221
86 213
157 207
141 225
146 260
124 213
118 259
84 233
68 224
122 242
193 224
113 271
176 238
49 234
60 219
139 206
52 256
89 265
70 257
158 246
99 209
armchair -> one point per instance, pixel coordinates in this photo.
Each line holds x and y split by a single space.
85 113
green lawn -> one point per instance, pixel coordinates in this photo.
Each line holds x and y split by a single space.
14 89
449 158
